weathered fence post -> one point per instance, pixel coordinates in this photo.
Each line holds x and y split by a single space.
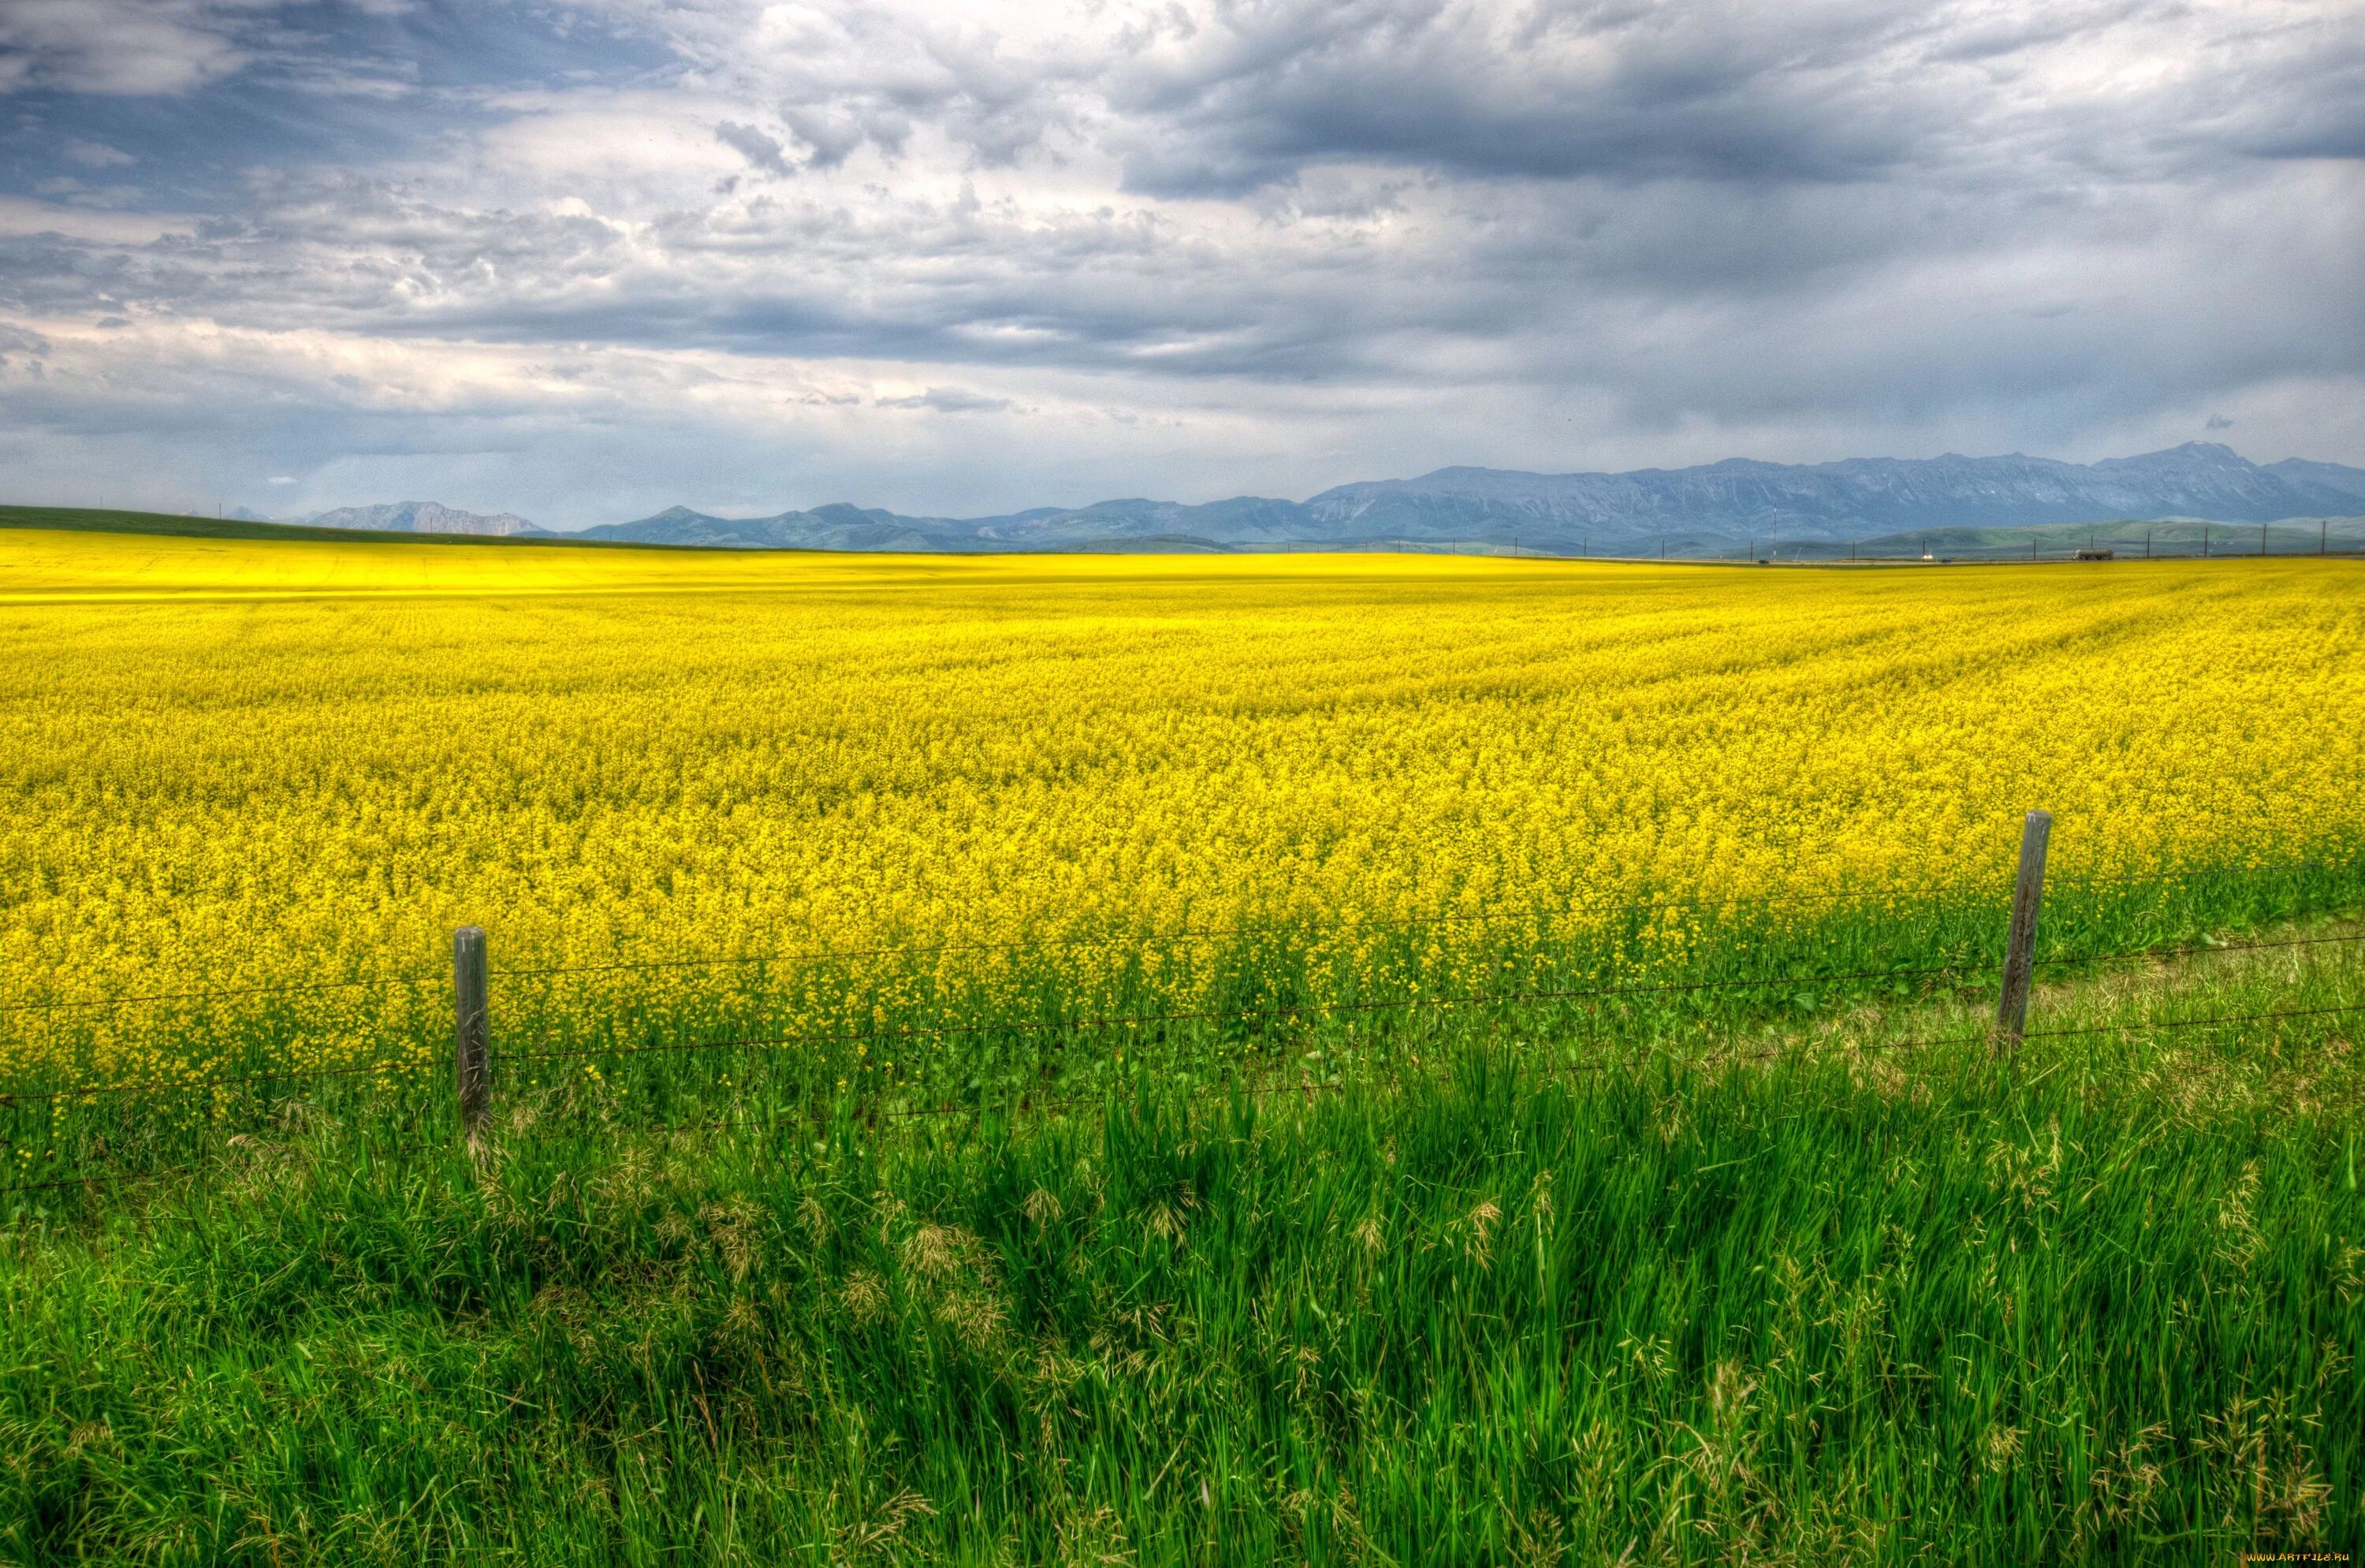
471 1033
2019 945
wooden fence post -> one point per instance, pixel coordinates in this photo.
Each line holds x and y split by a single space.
471 1033
2019 945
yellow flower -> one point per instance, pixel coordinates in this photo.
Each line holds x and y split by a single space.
992 788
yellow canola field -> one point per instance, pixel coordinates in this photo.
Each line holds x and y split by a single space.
233 764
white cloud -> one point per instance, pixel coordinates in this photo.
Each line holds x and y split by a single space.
96 154
122 47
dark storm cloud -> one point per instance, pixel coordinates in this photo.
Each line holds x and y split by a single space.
1740 93
2309 107
1718 93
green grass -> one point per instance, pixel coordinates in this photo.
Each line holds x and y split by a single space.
1530 1288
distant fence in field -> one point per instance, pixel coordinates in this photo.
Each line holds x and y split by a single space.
2217 541
472 979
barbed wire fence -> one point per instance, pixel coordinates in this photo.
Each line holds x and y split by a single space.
473 1063
2286 539
1574 905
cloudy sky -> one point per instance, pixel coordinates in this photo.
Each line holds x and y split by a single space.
583 259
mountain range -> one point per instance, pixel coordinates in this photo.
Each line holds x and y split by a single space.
1713 508
416 517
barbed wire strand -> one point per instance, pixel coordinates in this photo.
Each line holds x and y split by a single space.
1532 911
916 1031
94 1004
1406 1003
166 1085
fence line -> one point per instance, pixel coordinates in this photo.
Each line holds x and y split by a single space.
1233 1015
2006 1035
1826 553
1083 1026
1266 1084
394 982
1207 933
1571 906
166 1085
1184 935
1021 1027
